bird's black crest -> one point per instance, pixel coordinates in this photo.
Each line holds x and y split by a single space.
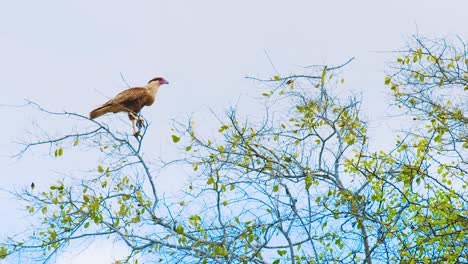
155 79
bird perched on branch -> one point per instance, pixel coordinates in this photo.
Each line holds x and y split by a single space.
131 101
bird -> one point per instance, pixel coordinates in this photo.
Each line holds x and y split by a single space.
131 101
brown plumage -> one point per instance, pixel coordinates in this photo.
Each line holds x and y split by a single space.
131 101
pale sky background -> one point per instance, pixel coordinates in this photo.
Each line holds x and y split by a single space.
68 55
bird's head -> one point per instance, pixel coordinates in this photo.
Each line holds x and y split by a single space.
160 80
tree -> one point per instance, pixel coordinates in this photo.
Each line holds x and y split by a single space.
303 185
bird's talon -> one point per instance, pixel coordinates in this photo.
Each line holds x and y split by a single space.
140 123
137 134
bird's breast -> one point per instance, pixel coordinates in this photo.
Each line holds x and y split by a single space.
149 100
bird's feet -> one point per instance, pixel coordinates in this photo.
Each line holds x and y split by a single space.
136 134
140 123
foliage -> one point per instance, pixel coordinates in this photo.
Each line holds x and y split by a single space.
301 186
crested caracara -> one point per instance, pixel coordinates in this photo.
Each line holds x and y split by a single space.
131 101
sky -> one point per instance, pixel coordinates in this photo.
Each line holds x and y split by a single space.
69 55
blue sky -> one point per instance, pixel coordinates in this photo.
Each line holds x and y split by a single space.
69 55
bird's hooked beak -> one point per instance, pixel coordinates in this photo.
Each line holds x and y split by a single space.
164 81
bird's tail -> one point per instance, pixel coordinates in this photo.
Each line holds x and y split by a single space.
98 112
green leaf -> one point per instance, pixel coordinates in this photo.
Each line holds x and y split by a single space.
276 78
3 252
76 142
210 180
175 138
30 209
281 252
324 73
188 148
222 128
179 229
58 152
275 188
308 181
100 169
387 80
86 225
44 210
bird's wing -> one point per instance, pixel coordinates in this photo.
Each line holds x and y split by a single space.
132 99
